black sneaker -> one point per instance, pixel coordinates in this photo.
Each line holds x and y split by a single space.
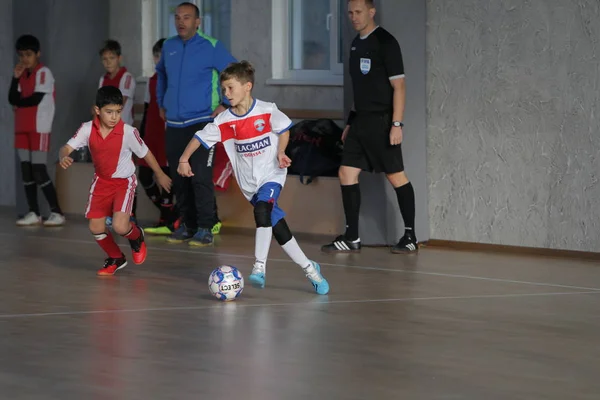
408 244
112 265
341 245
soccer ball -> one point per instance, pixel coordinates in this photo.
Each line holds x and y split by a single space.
226 283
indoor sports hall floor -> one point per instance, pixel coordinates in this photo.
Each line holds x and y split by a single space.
440 325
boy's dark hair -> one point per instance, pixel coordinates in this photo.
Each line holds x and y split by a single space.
27 42
108 95
157 48
243 71
188 4
111 45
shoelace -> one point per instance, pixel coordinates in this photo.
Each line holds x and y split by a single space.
258 269
109 261
311 273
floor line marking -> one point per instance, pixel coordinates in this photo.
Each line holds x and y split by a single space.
440 274
304 303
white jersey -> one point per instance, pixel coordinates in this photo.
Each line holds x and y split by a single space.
112 156
251 142
41 82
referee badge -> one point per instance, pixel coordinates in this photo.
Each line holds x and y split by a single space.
365 65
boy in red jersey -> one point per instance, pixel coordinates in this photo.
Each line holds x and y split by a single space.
112 144
117 75
152 131
32 96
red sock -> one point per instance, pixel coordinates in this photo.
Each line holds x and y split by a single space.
134 233
108 244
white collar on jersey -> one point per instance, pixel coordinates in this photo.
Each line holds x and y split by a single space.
367 35
248 112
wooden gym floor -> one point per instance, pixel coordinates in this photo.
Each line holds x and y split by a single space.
440 325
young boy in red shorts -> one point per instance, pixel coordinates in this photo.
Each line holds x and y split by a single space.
112 144
152 130
117 75
32 96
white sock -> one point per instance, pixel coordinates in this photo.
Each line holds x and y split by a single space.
293 250
262 244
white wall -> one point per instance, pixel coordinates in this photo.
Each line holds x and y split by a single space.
513 122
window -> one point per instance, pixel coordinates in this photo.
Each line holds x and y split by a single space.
308 42
159 21
215 14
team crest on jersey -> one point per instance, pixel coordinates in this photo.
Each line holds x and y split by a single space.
365 65
259 124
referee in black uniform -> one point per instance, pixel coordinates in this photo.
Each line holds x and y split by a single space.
373 134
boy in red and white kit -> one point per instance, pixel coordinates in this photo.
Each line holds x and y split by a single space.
32 96
255 135
112 144
118 76
152 131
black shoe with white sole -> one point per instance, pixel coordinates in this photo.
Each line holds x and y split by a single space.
408 244
342 245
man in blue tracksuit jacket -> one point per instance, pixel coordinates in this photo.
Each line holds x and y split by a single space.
188 95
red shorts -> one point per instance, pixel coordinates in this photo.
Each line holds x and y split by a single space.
32 141
108 196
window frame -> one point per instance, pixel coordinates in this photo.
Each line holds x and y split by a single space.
281 51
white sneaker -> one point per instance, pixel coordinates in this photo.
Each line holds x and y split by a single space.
55 219
257 277
30 219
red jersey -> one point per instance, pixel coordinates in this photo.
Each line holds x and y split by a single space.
112 156
38 118
154 127
123 81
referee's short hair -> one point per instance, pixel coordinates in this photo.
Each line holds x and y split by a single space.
368 3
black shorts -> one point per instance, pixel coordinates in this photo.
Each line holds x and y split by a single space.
368 147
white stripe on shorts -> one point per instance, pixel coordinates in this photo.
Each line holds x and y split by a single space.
92 186
127 205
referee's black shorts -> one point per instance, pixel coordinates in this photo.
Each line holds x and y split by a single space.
368 147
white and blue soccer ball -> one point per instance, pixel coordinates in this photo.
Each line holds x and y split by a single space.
226 283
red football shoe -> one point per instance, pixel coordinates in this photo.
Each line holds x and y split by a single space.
138 249
112 265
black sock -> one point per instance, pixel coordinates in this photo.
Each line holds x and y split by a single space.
153 193
30 187
41 177
134 205
406 201
32 197
51 198
351 200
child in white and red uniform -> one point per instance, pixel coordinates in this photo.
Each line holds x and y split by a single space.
117 75
112 144
32 96
255 135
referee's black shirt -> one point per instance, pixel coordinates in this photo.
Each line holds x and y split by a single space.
373 61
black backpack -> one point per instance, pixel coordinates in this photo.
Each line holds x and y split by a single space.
315 149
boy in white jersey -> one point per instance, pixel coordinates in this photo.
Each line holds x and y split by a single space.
255 134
